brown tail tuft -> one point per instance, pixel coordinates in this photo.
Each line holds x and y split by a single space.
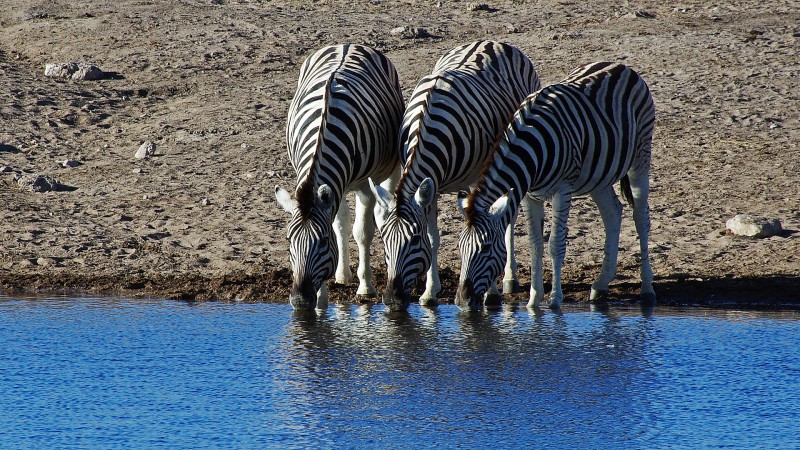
625 187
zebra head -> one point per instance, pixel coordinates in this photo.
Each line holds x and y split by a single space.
312 252
482 247
407 247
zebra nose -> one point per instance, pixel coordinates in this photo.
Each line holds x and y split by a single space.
466 299
303 296
395 297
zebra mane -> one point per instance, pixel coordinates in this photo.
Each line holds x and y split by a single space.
399 198
469 211
304 193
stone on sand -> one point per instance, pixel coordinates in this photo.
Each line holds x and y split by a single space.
74 70
146 150
39 183
753 226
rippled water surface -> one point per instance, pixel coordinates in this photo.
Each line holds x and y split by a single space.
109 373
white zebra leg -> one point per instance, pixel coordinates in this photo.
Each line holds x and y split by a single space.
558 243
364 232
322 296
611 213
342 230
535 210
510 281
432 283
640 188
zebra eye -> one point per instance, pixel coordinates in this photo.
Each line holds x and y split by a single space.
323 241
485 247
415 240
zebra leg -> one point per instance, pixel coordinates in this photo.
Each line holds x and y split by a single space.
432 283
510 281
558 243
640 188
364 232
342 230
535 210
611 213
322 296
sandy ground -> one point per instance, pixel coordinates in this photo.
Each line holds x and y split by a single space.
209 81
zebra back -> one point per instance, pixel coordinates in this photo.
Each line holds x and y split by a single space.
588 130
455 114
343 120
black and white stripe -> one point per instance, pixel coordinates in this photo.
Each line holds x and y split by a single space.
576 137
453 117
341 131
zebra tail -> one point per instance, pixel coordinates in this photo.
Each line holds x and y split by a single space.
625 187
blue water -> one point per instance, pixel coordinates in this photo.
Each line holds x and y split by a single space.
119 373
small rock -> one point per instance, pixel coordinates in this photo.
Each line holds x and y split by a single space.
146 150
475 6
45 262
511 28
70 163
6 169
74 70
39 183
408 32
205 202
60 70
753 226
137 170
640 15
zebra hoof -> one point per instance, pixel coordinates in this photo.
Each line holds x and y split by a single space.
647 298
428 302
510 286
598 296
366 292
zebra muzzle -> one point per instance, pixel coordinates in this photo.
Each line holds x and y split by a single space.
466 298
303 296
395 297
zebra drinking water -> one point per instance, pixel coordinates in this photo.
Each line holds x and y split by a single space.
341 130
576 137
452 119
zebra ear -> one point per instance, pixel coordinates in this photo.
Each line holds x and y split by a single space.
285 199
463 202
425 193
325 196
499 207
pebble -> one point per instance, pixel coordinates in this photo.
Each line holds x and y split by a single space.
39 183
6 169
477 6
753 226
146 150
74 70
407 32
70 163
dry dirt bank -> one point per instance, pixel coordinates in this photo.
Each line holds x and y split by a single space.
210 83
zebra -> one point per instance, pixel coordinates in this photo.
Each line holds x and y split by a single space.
452 118
341 129
576 137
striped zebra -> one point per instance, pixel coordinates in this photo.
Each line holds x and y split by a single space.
576 137
341 130
453 117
